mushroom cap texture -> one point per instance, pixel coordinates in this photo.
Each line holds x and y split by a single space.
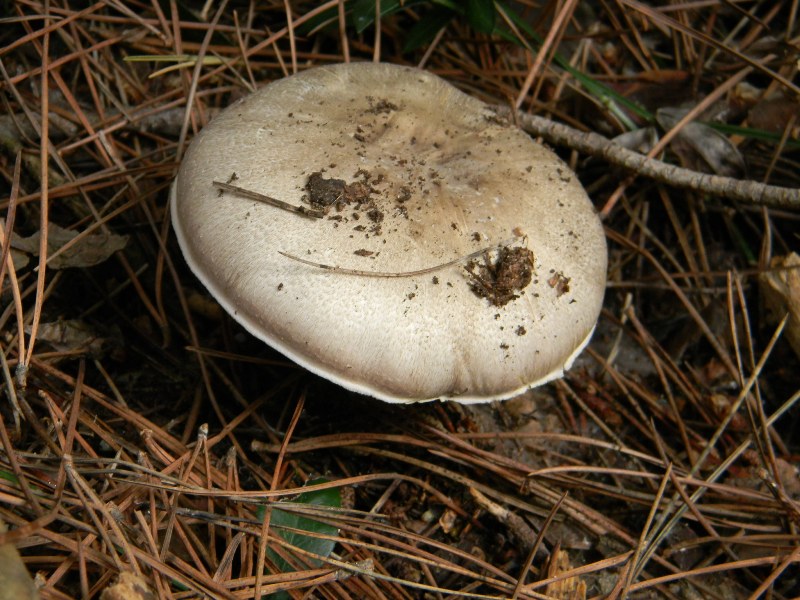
442 177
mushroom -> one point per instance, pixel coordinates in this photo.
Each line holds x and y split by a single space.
431 249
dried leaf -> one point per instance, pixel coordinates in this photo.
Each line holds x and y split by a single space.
90 250
789 476
780 290
639 140
15 581
73 335
571 588
700 147
20 259
682 547
448 521
204 305
129 586
775 114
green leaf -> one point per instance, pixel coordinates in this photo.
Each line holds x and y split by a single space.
364 11
450 4
282 519
612 100
326 19
9 476
481 15
360 14
423 32
754 134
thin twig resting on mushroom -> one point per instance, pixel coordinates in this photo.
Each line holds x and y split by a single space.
425 271
300 210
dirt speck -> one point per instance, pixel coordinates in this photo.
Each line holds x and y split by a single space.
559 283
379 106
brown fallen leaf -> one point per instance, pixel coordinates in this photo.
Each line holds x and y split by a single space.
15 581
88 251
775 114
700 147
19 258
74 335
780 291
639 140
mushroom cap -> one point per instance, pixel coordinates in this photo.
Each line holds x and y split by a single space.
428 176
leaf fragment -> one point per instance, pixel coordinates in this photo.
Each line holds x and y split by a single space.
89 250
289 525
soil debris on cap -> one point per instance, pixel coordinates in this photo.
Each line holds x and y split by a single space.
380 106
499 281
324 192
559 283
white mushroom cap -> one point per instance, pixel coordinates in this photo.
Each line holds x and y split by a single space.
442 177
